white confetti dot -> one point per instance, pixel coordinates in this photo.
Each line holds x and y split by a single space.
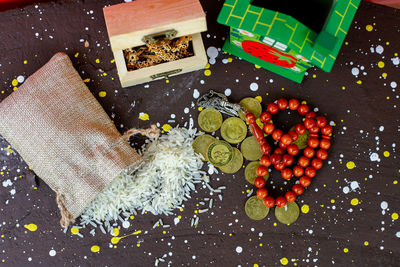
398 234
186 110
196 93
346 189
379 49
20 79
393 84
228 92
253 86
355 71
384 205
239 249
126 224
52 252
381 128
374 157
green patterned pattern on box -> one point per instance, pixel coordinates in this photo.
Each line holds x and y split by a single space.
286 36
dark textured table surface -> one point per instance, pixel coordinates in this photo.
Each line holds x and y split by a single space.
349 215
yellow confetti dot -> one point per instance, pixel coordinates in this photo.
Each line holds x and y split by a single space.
354 201
102 93
230 59
346 250
2 236
76 55
207 66
138 244
74 230
384 75
115 232
15 88
359 82
166 127
395 182
144 116
305 208
369 28
259 98
332 201
284 261
395 216
166 81
257 66
112 60
25 62
95 249
207 72
366 243
386 153
314 76
343 87
115 240
97 60
164 232
86 80
381 64
14 82
275 224
255 265
350 165
31 227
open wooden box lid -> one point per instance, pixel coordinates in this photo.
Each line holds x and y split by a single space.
128 23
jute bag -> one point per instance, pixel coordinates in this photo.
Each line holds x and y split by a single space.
61 131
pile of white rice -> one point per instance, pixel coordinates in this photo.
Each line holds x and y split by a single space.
168 174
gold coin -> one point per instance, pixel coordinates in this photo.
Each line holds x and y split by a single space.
210 120
201 143
288 214
250 172
251 148
255 208
235 164
220 153
233 130
252 105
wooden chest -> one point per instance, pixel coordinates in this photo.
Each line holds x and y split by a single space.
155 39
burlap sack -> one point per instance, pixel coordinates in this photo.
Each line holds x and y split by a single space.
61 131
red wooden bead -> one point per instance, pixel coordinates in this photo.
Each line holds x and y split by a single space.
282 145
265 148
316 163
309 123
303 109
293 149
310 171
322 154
325 144
269 128
262 193
273 108
279 166
290 196
304 161
259 182
287 173
294 135
279 151
298 171
314 130
326 137
287 159
305 181
269 202
326 130
286 139
311 115
265 117
275 158
262 171
298 189
294 104
313 135
309 152
250 118
265 161
277 134
321 121
282 103
300 128
313 142
281 201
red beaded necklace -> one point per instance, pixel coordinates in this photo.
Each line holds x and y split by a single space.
307 164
